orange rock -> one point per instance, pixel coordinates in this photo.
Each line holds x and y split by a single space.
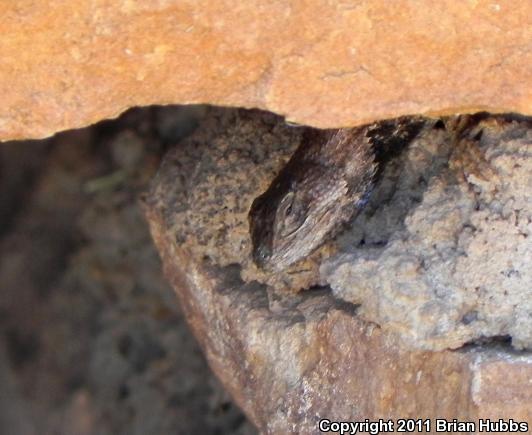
69 64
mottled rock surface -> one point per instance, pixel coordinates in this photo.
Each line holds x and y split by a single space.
326 63
443 252
289 358
215 175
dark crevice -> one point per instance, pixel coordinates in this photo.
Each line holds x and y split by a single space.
22 347
21 163
500 343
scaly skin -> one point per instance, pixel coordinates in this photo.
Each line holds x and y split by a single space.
326 182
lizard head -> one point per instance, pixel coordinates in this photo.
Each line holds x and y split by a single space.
293 217
327 181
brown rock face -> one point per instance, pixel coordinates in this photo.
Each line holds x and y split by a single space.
69 64
290 359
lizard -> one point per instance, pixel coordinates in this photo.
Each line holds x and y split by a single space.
327 181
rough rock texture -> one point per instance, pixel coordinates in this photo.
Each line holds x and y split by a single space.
215 175
290 359
442 254
68 64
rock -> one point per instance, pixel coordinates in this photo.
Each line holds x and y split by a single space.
292 358
442 253
70 64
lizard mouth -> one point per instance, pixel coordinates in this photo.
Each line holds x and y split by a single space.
295 247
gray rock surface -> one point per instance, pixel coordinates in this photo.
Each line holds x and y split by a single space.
443 253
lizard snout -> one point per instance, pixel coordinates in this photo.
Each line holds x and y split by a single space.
261 255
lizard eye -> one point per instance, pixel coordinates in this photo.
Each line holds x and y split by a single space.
288 210
290 215
286 205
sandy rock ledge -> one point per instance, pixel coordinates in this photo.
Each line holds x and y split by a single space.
290 359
